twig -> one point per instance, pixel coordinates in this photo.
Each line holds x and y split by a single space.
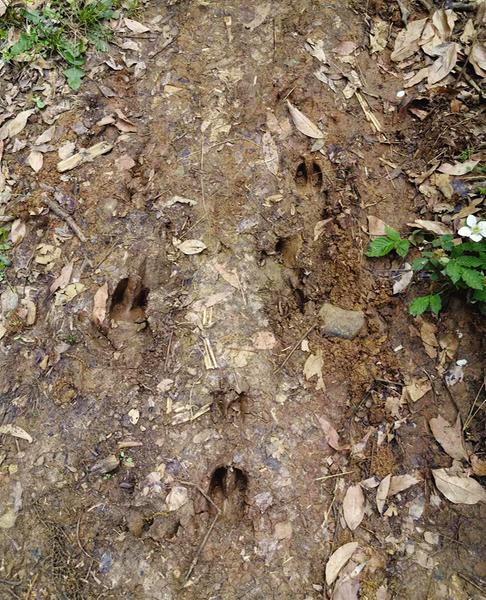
325 477
482 590
31 586
201 174
79 540
432 384
56 209
297 344
200 549
202 492
469 417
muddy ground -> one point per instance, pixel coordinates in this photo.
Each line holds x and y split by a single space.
178 449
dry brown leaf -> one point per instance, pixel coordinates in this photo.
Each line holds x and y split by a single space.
303 123
331 435
444 64
459 489
270 153
338 560
449 436
35 160
478 466
313 367
458 168
189 246
382 493
68 293
345 48
99 304
417 388
400 483
354 506
135 26
432 226
316 49
376 226
419 76
429 339
477 57
17 232
46 137
346 589
407 42
14 126
15 431
64 278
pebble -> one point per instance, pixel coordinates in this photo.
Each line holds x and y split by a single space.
341 323
106 465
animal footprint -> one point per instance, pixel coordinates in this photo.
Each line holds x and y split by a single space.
227 489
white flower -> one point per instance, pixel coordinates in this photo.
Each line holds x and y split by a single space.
474 229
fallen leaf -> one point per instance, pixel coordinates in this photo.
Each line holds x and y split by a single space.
468 33
15 431
405 279
419 76
63 279
345 48
304 124
407 41
30 311
458 168
99 304
382 493
376 226
449 436
320 227
84 156
354 506
316 49
176 498
444 64
379 35
346 589
459 489
134 416
313 367
14 126
338 560
65 295
400 483
3 6
477 57
270 153
135 26
189 246
331 435
432 226
417 388
429 339
17 232
478 466
35 160
46 137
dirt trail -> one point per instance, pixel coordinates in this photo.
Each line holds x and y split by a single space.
194 382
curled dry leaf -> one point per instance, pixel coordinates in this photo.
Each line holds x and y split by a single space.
99 304
338 560
17 232
432 226
354 506
303 123
458 489
382 493
15 431
400 483
331 435
270 153
189 246
449 436
14 126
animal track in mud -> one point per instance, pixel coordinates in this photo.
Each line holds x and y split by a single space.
230 402
308 175
129 300
227 489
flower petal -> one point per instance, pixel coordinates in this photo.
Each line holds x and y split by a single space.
476 237
482 228
471 220
465 231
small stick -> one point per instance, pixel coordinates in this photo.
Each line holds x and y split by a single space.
200 549
471 583
294 348
469 417
202 492
79 541
331 476
56 209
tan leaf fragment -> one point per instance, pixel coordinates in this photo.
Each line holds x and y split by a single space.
261 13
331 435
449 437
270 153
99 304
35 160
14 126
407 42
176 498
189 246
400 483
15 431
417 388
3 6
338 560
478 466
458 168
63 279
376 226
405 279
135 26
65 295
17 231
313 367
429 339
477 57
379 35
432 226
382 493
444 64
303 123
459 489
84 156
354 506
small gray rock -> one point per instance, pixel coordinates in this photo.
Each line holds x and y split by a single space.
106 465
339 322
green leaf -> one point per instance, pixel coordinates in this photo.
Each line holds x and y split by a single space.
469 261
392 234
480 295
381 246
444 241
24 44
435 303
453 270
419 264
473 279
419 305
74 75
402 247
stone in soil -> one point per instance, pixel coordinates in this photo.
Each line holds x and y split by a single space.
339 322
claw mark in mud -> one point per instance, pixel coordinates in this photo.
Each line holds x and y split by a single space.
129 300
308 175
227 489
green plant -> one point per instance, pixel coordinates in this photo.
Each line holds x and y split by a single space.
4 247
384 244
447 263
63 28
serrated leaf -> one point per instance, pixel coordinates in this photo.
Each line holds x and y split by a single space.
419 305
453 270
392 234
469 261
435 303
380 247
303 123
473 279
402 247
419 264
338 560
